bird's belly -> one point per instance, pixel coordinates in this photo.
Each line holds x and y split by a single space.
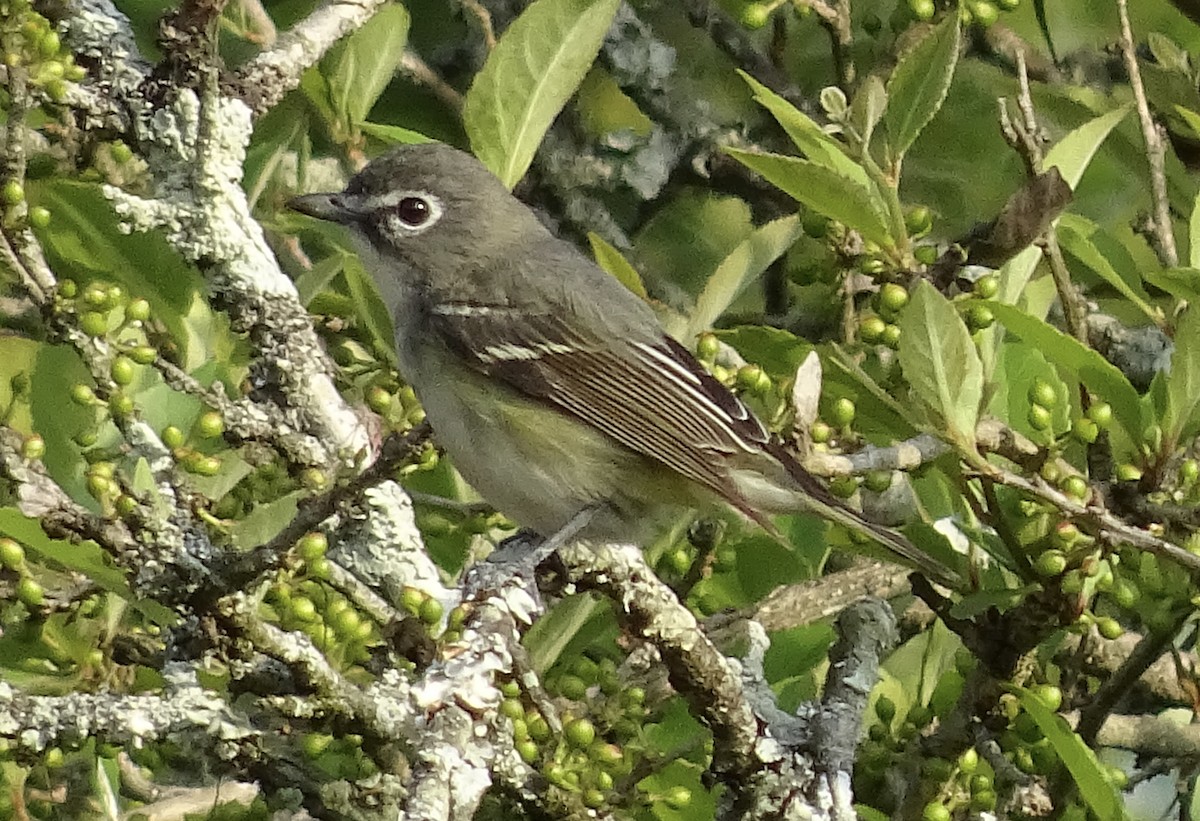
539 466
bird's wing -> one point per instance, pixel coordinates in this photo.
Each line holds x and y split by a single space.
652 397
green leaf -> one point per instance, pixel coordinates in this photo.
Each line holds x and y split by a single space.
531 73
1073 152
360 67
1181 283
1090 780
826 191
1190 117
919 85
868 108
394 134
1075 233
739 269
318 277
611 260
1089 367
809 137
371 310
1194 235
1183 388
940 362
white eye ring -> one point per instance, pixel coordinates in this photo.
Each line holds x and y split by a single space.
411 212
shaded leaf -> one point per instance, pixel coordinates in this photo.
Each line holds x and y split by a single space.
825 191
611 260
1183 388
868 108
1181 283
1097 373
1194 234
360 67
1072 153
739 269
394 134
919 85
531 73
1090 779
808 136
940 362
1075 232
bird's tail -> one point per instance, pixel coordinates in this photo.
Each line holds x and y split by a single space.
819 500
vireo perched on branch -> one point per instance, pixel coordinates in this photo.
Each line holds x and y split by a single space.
551 386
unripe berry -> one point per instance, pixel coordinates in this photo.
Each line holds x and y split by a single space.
13 193
34 447
893 297
29 592
210 425
172 437
843 411
980 317
39 217
871 329
122 371
580 733
312 546
1101 413
1042 393
93 323
12 555
755 15
987 286
1040 417
1050 563
83 395
921 9
138 310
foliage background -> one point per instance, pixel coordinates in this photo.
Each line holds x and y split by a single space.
685 233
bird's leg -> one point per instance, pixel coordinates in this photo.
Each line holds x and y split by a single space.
519 555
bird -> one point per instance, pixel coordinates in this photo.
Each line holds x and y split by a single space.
551 386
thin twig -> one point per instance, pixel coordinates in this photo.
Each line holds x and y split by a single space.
1160 225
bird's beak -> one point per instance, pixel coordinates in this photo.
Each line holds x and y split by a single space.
341 208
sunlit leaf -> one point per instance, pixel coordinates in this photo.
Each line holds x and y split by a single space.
529 76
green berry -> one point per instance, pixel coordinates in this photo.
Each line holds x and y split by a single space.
820 432
921 9
985 13
968 762
29 592
12 555
935 811
987 286
528 750
891 336
1085 430
312 546
1101 413
122 370
1128 473
885 709
580 733
1189 471
1109 627
871 329
39 217
93 323
572 687
1065 534
138 310
172 437
431 611
918 220
1042 393
748 377
755 15
1125 593
303 609
49 44
34 447
206 466
210 425
142 354
925 254
121 153
1050 563
877 481
893 297
378 399
979 317
983 801
83 395
315 744
120 405
1050 696
1040 417
1075 486
13 193
843 411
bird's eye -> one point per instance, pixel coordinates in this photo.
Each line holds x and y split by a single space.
413 211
